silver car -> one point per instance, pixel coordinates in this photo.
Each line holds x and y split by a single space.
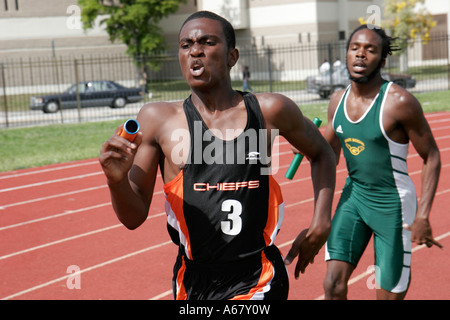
324 84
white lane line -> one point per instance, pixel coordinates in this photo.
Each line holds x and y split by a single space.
38 184
162 295
437 114
62 214
440 128
439 120
71 238
48 283
58 241
65 213
5 206
21 174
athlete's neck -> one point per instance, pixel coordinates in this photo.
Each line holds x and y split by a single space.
368 89
213 101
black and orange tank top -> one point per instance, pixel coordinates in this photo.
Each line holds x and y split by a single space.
224 206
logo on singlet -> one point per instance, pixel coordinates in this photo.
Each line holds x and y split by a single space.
253 156
355 146
226 186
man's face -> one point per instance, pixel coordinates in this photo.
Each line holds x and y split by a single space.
204 57
364 56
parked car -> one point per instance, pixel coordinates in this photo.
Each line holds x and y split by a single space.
321 84
403 80
92 94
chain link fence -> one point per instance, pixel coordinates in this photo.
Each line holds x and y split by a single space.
289 69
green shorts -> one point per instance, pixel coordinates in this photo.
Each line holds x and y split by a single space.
361 213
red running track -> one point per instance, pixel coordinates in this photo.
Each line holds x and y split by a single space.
58 219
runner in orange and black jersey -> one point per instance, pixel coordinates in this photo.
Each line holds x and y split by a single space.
218 215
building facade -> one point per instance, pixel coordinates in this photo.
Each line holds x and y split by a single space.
53 27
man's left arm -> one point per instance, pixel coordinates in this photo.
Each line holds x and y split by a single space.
420 135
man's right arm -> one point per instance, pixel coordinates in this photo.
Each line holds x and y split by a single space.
131 169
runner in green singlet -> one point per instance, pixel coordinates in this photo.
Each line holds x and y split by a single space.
373 121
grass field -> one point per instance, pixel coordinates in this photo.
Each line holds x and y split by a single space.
30 147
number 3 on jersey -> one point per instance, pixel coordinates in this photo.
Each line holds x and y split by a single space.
233 225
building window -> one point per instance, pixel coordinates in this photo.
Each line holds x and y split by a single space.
16 3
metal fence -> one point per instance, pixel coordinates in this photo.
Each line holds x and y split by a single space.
281 68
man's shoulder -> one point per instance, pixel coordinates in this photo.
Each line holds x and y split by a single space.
400 98
279 111
400 92
268 100
170 105
272 104
161 109
159 119
162 116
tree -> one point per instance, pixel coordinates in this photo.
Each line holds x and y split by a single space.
408 20
134 22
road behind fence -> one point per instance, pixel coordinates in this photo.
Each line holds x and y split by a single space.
282 68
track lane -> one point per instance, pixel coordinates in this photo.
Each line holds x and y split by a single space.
96 287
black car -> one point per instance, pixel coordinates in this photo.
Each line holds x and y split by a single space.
92 94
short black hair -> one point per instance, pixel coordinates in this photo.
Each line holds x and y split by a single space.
388 42
227 28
